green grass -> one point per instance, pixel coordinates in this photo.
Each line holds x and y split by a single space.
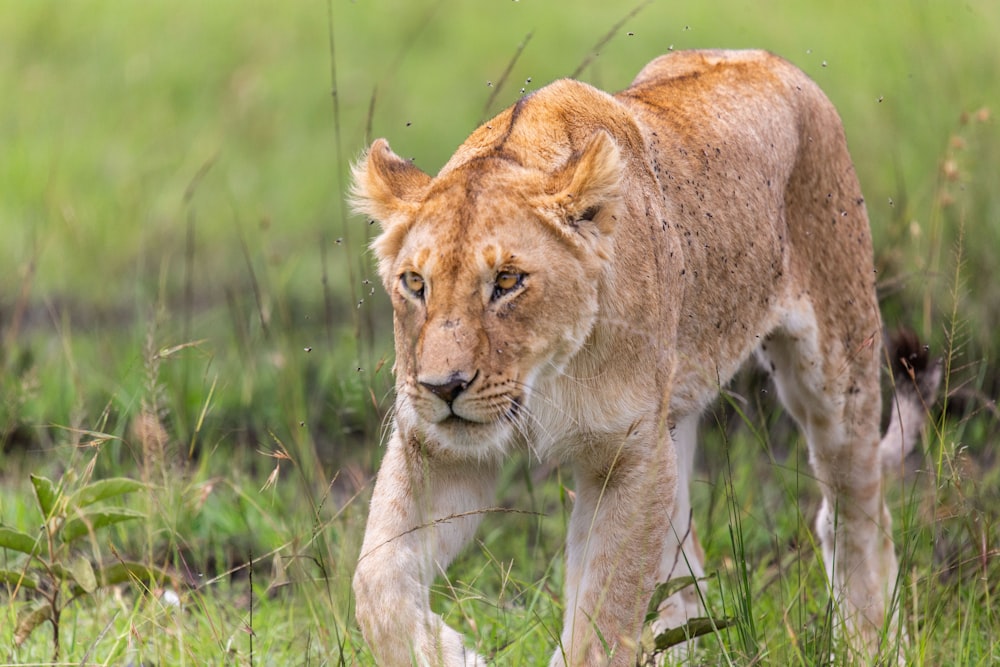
175 244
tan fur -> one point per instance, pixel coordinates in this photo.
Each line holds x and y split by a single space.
580 279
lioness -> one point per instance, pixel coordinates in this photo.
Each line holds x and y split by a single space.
580 279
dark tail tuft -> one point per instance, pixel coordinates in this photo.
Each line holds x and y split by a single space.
916 377
912 366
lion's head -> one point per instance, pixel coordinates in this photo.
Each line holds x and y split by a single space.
493 268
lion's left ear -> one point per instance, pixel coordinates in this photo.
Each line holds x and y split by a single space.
385 184
590 183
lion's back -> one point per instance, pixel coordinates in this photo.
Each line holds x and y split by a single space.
740 141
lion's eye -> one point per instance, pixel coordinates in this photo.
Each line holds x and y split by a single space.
413 283
506 282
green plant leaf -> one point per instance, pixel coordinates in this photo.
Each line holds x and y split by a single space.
695 627
80 525
83 574
60 571
127 572
17 578
30 618
65 574
663 591
45 494
104 489
15 540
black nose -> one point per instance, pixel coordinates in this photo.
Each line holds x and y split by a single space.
449 390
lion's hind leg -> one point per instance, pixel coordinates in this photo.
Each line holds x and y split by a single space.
827 376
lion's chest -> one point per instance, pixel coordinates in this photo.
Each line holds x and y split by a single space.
587 405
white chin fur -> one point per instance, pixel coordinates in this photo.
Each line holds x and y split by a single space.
472 440
463 439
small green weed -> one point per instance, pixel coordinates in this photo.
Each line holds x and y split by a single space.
55 566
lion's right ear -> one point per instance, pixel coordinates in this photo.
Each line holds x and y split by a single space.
385 184
387 188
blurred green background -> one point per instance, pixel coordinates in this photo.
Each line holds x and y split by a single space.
173 174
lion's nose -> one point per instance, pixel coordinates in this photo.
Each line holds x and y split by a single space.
449 390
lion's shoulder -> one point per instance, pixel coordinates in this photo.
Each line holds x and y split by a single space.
745 100
697 81
712 63
543 129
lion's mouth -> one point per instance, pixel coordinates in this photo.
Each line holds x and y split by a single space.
507 415
456 420
472 409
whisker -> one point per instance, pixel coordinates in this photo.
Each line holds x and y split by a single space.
533 392
521 421
388 423
515 417
575 379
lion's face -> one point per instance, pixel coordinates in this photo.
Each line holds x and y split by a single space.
493 270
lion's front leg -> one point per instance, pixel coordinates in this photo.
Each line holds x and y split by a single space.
616 536
422 512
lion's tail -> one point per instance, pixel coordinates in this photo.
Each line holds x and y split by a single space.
917 379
